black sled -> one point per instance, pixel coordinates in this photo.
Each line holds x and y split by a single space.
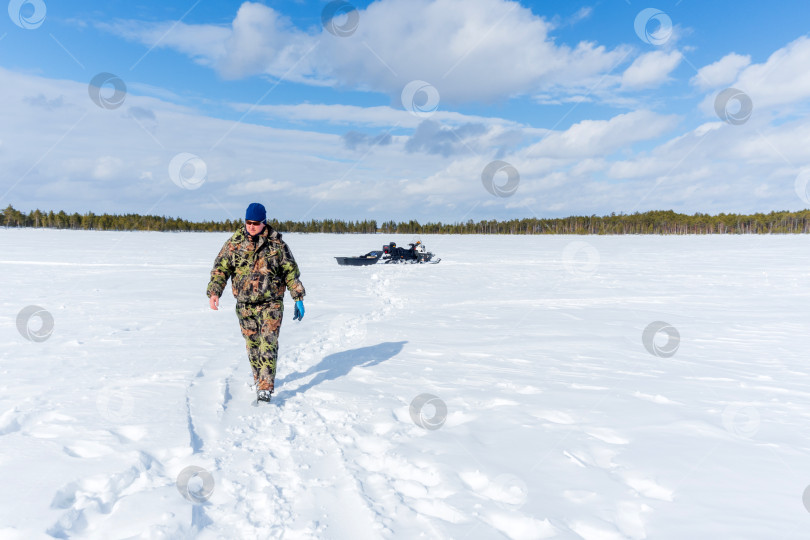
364 260
391 254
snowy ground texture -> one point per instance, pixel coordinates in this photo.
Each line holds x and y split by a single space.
560 422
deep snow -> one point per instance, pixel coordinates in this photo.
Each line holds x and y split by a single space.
560 422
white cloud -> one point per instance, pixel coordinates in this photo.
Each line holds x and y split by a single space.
588 168
636 168
263 41
548 99
603 137
721 73
651 69
107 168
460 175
205 43
582 13
783 79
484 50
259 186
377 116
780 86
551 170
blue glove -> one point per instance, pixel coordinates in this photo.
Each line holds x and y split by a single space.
299 310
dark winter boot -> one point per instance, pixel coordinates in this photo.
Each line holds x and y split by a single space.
264 389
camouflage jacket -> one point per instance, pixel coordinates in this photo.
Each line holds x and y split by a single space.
260 271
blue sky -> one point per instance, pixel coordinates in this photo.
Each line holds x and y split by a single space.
231 102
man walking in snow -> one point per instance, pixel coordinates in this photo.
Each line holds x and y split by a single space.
261 267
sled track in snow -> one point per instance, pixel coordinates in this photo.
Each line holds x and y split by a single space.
262 468
263 454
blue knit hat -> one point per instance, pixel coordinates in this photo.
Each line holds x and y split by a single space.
255 212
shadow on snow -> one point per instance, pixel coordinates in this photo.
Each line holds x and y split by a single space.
338 365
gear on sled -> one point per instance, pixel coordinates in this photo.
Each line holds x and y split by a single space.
391 254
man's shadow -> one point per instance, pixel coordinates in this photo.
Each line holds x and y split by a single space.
338 365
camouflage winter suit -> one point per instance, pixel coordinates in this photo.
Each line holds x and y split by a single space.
260 272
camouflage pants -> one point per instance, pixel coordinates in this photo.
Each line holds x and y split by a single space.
260 324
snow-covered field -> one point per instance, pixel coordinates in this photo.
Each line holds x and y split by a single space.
560 422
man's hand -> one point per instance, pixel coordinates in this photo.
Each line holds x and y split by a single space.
299 311
213 302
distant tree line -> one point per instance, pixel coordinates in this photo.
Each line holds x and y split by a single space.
10 217
654 222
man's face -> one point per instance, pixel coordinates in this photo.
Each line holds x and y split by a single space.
254 227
